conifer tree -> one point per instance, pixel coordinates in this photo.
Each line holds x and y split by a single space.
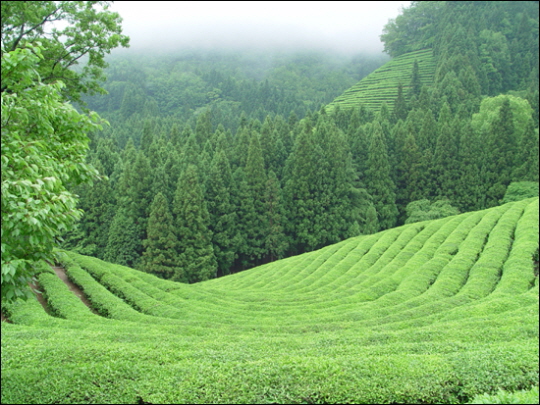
141 194
123 241
196 261
99 210
400 105
148 134
469 187
203 129
267 141
445 163
416 84
256 222
303 206
378 180
372 221
528 155
175 135
243 206
359 151
190 153
161 246
408 174
239 157
499 155
427 137
275 243
223 219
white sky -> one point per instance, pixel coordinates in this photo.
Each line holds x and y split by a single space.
348 26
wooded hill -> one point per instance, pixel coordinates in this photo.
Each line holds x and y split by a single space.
265 177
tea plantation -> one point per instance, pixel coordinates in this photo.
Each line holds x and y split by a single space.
430 312
382 84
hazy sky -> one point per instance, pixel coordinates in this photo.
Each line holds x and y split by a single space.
349 26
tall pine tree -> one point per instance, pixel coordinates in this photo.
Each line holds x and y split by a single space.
160 255
378 180
196 261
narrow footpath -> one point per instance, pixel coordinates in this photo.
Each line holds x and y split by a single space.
61 272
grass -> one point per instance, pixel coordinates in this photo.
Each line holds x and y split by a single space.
442 311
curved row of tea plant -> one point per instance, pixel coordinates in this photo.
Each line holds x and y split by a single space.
382 84
431 312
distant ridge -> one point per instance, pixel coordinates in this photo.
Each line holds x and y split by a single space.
382 84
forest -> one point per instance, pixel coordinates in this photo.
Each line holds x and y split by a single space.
256 226
214 163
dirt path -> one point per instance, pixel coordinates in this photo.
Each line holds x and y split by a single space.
39 295
60 272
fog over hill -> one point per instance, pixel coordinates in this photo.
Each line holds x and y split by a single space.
348 27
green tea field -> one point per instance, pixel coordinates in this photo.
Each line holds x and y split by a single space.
382 84
430 312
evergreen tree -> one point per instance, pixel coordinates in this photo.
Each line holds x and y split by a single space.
160 254
223 219
446 168
408 175
400 105
256 222
203 129
123 242
239 157
469 186
275 243
337 188
196 261
372 221
416 84
148 134
427 137
499 155
243 206
141 194
359 151
528 155
301 193
378 180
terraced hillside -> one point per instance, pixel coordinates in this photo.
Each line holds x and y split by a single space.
382 84
430 312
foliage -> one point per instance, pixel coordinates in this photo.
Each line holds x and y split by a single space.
44 138
489 110
44 145
424 210
504 397
520 190
90 31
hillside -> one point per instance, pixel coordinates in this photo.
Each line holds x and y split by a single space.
382 84
430 312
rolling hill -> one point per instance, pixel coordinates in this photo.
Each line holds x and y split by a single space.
430 312
382 84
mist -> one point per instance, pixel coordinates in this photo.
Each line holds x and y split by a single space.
337 27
